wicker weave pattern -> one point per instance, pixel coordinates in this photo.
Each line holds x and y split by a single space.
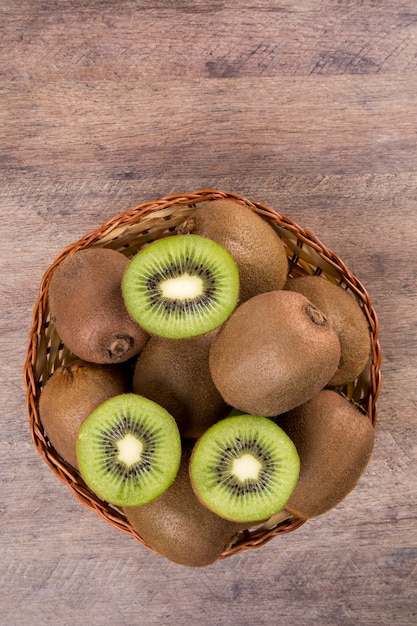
127 233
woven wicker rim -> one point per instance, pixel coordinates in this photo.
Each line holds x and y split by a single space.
127 232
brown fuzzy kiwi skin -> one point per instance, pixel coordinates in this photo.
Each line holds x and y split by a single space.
88 310
274 353
346 317
178 527
334 441
70 395
255 246
175 373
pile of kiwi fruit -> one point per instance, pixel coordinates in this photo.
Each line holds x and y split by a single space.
203 396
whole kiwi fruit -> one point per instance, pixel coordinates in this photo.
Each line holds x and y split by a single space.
253 243
347 319
178 526
274 353
70 395
87 307
175 373
334 441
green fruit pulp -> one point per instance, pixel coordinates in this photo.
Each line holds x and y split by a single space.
129 450
181 286
244 468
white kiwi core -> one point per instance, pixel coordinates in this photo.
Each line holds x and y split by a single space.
130 450
185 287
246 467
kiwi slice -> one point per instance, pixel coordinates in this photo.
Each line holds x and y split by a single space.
181 286
244 468
129 450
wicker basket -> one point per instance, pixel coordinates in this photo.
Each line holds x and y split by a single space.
127 233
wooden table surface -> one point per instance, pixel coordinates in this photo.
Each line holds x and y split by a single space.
309 106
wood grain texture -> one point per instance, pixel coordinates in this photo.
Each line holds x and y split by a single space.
342 125
186 39
309 106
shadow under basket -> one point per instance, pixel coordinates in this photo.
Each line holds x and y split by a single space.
127 233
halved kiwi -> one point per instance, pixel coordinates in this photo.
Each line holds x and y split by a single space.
129 450
244 468
181 286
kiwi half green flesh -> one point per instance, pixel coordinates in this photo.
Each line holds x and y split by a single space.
244 468
181 286
129 450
